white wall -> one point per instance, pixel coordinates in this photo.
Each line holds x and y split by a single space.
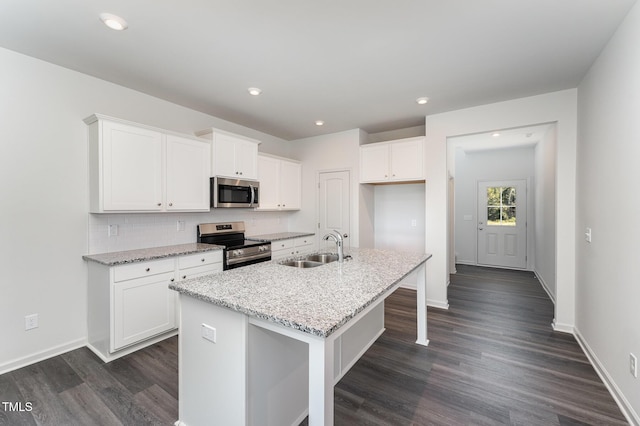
474 166
43 169
608 287
557 107
399 217
337 151
545 211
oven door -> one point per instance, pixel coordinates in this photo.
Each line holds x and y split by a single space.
227 192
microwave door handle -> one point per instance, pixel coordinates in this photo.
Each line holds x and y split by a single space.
253 195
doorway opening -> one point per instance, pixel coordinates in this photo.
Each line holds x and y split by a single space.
502 193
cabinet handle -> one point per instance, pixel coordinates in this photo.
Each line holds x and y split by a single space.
284 205
148 269
170 204
278 205
202 259
184 277
386 175
159 204
172 279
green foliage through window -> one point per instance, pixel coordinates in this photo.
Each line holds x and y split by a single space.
501 206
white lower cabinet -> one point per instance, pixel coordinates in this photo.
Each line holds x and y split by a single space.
197 265
281 249
142 308
131 306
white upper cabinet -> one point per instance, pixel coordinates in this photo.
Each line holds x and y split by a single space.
188 171
234 156
394 161
136 168
280 183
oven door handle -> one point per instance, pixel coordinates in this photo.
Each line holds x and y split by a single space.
249 258
253 195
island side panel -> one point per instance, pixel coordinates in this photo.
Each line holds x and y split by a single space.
213 379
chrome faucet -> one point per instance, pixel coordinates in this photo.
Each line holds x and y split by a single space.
337 237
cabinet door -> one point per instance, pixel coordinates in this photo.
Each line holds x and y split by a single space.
142 308
304 245
406 160
132 168
268 172
374 163
224 155
290 185
282 248
247 159
188 173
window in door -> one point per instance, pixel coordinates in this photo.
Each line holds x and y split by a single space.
501 206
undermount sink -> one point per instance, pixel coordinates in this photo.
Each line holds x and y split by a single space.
322 257
301 263
312 260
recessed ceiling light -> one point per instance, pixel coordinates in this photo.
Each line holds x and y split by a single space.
496 134
423 100
319 123
254 91
113 21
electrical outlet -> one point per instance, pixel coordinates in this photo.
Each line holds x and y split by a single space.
587 235
113 230
31 322
208 333
180 225
633 365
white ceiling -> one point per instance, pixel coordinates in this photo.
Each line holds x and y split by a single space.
352 63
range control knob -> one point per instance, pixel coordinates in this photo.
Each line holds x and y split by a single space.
238 252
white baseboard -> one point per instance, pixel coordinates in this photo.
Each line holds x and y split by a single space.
440 304
632 417
545 287
41 356
563 328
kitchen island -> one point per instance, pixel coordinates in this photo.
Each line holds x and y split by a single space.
266 343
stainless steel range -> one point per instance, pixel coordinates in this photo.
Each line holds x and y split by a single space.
237 251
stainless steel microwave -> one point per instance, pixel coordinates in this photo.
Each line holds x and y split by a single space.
226 192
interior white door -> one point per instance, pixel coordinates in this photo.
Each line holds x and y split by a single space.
502 223
333 204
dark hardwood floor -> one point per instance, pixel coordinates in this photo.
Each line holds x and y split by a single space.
493 359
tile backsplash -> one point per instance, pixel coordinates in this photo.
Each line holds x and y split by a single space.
143 230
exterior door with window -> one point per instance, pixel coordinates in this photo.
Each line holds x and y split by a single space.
502 223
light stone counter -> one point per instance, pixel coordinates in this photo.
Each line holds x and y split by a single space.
279 236
141 255
314 300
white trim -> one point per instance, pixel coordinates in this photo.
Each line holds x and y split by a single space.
632 417
562 328
545 287
41 356
440 304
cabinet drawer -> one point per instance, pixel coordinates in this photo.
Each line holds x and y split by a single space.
199 259
304 241
198 271
143 269
282 244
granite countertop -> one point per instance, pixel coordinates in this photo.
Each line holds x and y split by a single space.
141 255
313 300
278 236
